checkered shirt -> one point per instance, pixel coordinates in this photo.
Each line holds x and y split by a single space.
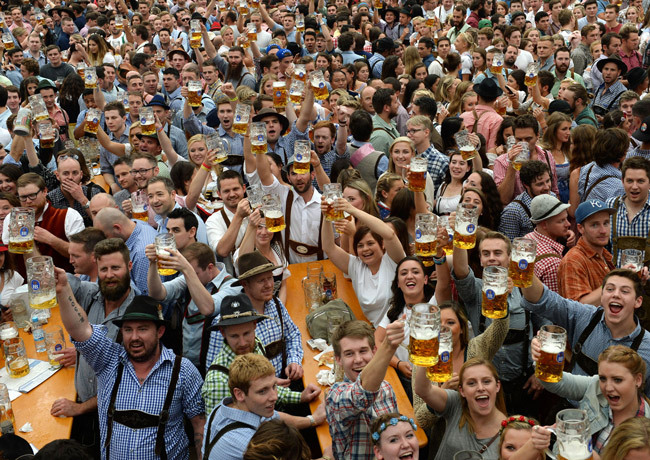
142 235
350 411
515 221
546 269
605 189
638 226
605 97
437 165
104 355
604 434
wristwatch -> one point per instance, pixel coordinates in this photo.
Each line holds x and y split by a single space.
312 422
86 206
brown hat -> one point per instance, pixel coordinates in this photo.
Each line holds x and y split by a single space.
253 263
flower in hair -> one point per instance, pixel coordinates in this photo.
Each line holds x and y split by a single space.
392 422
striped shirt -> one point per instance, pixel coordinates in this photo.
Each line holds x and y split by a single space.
638 225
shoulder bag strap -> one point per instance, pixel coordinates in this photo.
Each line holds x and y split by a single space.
164 415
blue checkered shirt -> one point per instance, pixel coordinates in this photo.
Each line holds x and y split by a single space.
104 355
142 235
437 165
637 151
515 221
606 97
608 188
284 146
327 160
267 331
638 226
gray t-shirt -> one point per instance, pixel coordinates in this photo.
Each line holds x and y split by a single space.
455 439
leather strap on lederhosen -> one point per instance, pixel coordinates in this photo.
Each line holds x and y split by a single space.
586 191
515 336
300 248
210 443
477 117
587 364
627 242
523 205
273 349
136 419
378 128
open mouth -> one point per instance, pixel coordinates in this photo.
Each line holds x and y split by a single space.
613 399
615 307
407 455
483 401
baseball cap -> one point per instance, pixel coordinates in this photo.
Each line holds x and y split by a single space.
590 207
544 207
643 133
283 53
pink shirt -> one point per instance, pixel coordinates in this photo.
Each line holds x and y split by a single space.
501 166
488 124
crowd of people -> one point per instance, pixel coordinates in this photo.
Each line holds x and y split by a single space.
121 122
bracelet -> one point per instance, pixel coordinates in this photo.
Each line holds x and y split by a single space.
160 129
205 167
312 421
398 362
441 260
233 99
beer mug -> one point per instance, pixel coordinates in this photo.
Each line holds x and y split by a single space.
468 455
497 63
302 156
8 41
123 97
501 105
164 243
550 364
424 331
140 205
523 156
430 18
279 94
16 361
295 91
273 215
21 230
195 33
47 134
495 292
41 282
255 194
242 115
19 306
258 138
328 280
81 69
573 438
222 6
119 22
38 107
300 22
444 368
465 145
147 121
92 121
531 74
416 177
313 290
426 229
90 78
378 4
54 343
443 221
161 58
23 122
314 270
2 21
522 262
194 93
7 419
632 257
251 31
300 73
222 147
318 85
243 7
40 19
466 225
334 319
332 192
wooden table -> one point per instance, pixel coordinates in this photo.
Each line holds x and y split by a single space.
34 407
296 307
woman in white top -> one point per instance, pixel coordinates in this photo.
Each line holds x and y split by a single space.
402 150
228 37
98 51
9 278
372 269
448 194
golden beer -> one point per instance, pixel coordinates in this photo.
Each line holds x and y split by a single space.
449 247
21 246
141 215
246 44
259 149
240 128
530 80
256 5
496 69
148 130
19 367
9 44
378 4
279 94
295 98
430 22
521 272
160 62
443 369
501 110
165 271
252 36
43 301
243 9
301 28
320 92
222 156
40 20
81 71
91 125
301 167
119 26
517 163
194 98
423 352
468 152
426 246
47 142
464 241
550 364
494 305
427 261
54 362
274 221
331 214
195 40
417 180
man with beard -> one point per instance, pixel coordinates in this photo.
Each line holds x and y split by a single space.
384 132
53 226
103 301
562 63
477 9
458 22
611 43
509 58
165 385
234 69
578 98
135 234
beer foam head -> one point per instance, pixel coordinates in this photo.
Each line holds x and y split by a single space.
575 449
418 167
552 348
273 214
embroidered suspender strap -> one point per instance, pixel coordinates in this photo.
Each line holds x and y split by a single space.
225 217
205 333
523 205
273 349
164 414
378 128
111 409
219 368
585 362
226 429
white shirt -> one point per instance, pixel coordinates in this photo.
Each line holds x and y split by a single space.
74 223
305 219
10 286
442 14
435 68
263 39
216 227
373 291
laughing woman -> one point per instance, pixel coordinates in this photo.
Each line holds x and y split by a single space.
393 438
372 269
473 413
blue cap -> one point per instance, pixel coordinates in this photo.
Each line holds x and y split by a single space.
283 53
589 208
270 47
158 100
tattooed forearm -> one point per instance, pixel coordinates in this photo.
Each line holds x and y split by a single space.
82 318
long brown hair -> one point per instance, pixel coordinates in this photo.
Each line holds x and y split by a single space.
500 404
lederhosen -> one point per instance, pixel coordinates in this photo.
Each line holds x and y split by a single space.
273 349
586 191
210 443
300 248
587 364
137 419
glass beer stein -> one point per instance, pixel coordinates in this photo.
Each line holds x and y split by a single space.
16 360
164 243
54 343
92 121
255 195
8 41
532 70
300 73
119 22
41 282
21 230
443 221
300 22
279 94
444 368
47 134
195 33
242 115
90 78
140 205
573 438
632 257
273 215
426 229
39 110
221 146
495 292
194 93
416 176
258 138
522 262
302 155
466 225
523 156
424 331
318 85
81 69
161 58
465 145
147 121
332 192
497 63
251 31
295 91
550 365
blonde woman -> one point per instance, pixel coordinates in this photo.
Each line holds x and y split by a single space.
446 89
98 51
228 38
411 58
388 185
464 46
266 85
630 440
77 52
401 151
455 104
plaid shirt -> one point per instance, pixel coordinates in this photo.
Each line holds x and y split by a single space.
267 331
605 189
582 270
638 225
104 355
437 165
601 438
142 235
350 411
515 218
215 388
546 269
606 97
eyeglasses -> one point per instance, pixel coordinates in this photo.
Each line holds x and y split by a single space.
142 172
413 131
185 19
30 197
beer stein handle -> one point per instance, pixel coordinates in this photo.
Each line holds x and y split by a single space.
547 451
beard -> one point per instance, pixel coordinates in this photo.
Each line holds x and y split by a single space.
510 61
234 71
116 292
145 353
